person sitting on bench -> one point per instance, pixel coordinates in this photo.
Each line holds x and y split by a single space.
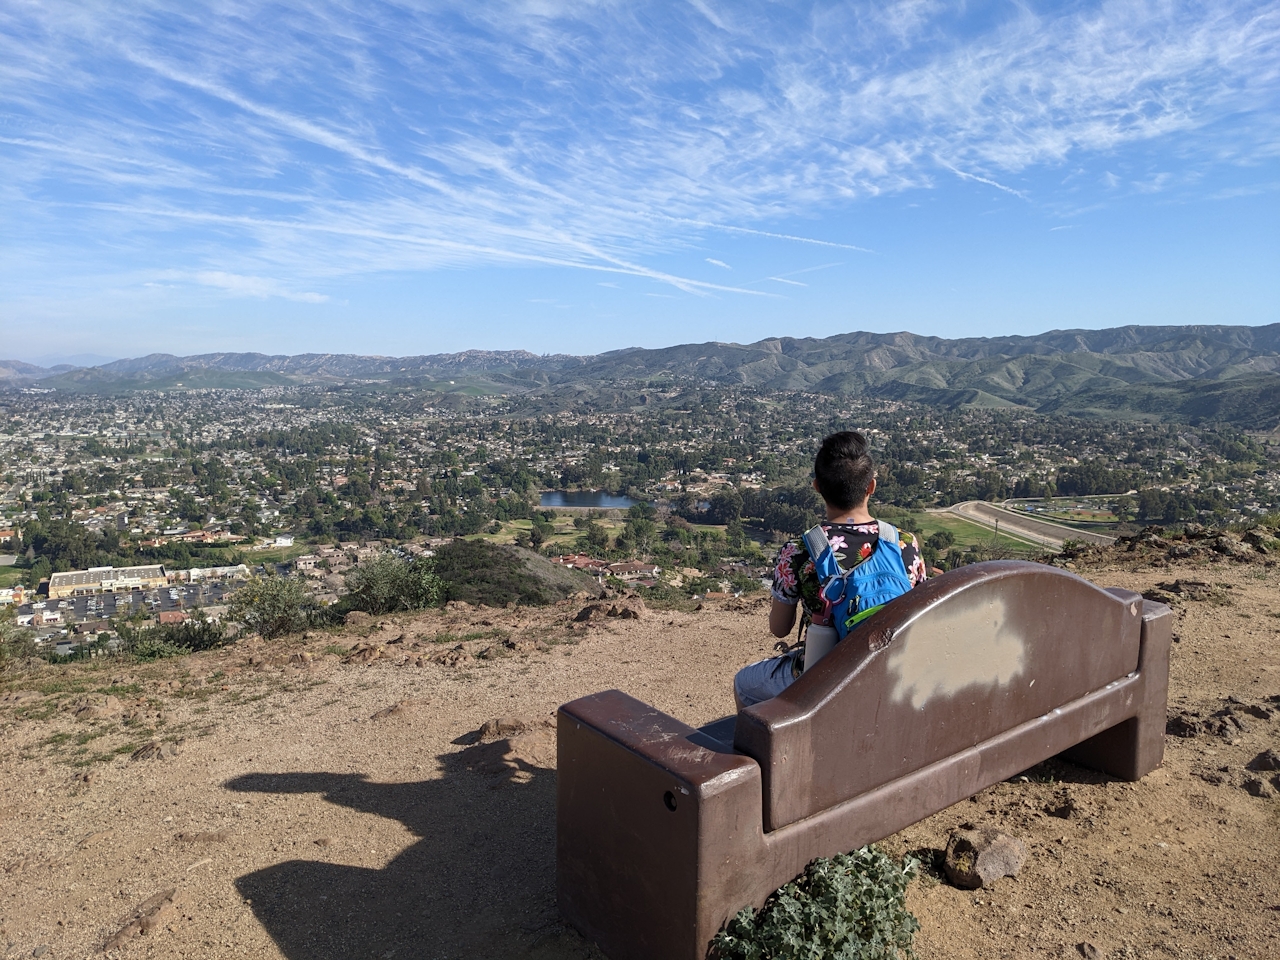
844 476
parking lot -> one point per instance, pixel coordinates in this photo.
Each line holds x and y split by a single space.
108 605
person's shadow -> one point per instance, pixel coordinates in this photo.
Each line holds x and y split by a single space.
479 883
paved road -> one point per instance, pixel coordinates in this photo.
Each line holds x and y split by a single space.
1043 532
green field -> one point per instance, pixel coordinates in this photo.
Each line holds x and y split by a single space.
11 575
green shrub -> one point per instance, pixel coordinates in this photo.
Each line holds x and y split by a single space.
274 606
172 639
851 907
15 643
389 583
148 647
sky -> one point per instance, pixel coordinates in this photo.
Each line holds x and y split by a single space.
573 177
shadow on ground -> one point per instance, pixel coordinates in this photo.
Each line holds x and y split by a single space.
479 883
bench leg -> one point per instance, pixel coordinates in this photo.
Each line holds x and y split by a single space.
1132 749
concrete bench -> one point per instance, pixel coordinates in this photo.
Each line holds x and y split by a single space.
665 831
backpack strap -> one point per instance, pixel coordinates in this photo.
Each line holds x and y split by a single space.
888 532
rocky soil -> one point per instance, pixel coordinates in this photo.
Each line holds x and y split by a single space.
388 789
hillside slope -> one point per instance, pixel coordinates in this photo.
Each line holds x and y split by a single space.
1184 372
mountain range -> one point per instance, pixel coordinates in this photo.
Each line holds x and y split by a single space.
1199 373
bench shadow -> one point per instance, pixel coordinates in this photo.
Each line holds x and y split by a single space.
480 881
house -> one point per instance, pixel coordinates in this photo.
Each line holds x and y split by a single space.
174 617
307 562
580 561
633 570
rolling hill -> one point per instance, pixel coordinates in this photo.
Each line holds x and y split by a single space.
1197 372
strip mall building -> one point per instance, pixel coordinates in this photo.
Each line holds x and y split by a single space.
78 583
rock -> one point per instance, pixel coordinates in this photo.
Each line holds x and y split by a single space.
93 839
1089 951
1063 806
357 618
364 653
629 608
213 836
978 857
398 709
1230 547
97 708
1266 760
505 727
40 951
1259 788
457 606
157 750
452 657
323 841
1181 724
21 696
149 916
300 658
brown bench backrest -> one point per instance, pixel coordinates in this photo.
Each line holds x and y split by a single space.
916 684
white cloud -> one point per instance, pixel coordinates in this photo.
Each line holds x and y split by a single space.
718 263
260 287
308 143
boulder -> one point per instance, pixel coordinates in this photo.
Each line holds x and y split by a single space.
1266 760
157 750
97 708
628 608
398 709
148 917
504 727
357 618
1258 787
976 858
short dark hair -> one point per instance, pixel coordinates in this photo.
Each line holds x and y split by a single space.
844 469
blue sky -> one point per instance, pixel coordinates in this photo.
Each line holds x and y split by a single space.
405 178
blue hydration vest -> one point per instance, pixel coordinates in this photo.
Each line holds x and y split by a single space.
850 596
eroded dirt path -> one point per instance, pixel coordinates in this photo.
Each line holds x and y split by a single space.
313 808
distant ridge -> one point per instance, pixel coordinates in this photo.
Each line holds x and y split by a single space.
1120 371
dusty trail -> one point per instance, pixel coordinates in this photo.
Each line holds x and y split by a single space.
318 808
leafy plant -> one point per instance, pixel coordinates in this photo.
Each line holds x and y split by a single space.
850 907
172 639
14 643
389 582
148 648
274 606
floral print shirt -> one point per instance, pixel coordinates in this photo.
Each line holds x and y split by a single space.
796 581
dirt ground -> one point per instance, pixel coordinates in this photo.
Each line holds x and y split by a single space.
298 799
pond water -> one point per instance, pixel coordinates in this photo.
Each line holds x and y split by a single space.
596 499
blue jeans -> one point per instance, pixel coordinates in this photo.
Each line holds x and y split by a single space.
766 679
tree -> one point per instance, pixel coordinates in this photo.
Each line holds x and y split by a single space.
390 582
274 606
941 540
641 534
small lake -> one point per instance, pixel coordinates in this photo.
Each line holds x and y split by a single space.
595 499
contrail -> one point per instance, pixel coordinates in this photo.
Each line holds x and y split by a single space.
762 233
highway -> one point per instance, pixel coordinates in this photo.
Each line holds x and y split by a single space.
1015 524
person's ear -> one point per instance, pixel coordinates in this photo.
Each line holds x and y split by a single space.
871 488
816 488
